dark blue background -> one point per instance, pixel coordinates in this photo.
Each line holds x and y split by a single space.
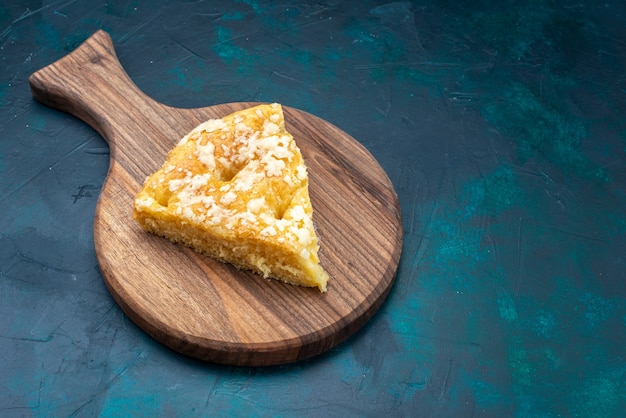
502 126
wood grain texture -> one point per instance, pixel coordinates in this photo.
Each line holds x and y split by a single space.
193 304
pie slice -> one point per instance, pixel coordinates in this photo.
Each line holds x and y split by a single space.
236 189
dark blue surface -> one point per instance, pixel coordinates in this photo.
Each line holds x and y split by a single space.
502 127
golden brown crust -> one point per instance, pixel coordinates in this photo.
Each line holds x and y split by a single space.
236 189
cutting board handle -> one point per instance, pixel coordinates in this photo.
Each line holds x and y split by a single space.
91 84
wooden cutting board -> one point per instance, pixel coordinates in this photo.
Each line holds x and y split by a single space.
195 305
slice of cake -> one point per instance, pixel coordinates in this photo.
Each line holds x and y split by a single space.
236 189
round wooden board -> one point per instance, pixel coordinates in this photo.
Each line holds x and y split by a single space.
198 306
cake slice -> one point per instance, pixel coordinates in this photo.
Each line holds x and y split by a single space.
236 189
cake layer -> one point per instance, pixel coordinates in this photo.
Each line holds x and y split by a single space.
236 189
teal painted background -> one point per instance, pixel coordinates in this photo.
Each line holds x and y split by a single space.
502 127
